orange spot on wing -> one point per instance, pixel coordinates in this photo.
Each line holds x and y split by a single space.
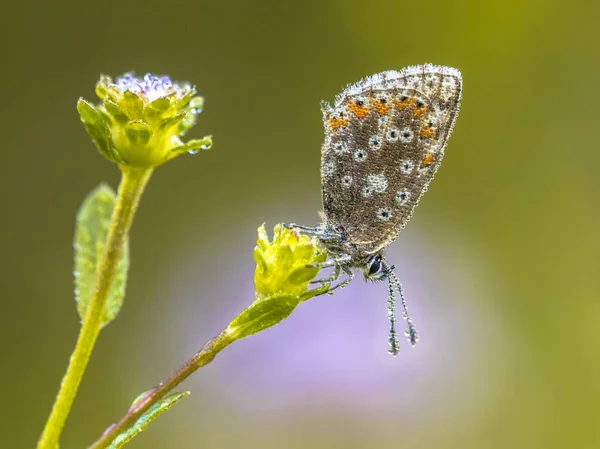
428 160
382 108
418 111
426 133
359 110
335 123
401 105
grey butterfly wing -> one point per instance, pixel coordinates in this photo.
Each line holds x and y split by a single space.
384 141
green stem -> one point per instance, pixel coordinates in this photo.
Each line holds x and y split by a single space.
132 186
198 360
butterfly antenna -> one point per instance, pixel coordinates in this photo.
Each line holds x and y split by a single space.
391 305
411 331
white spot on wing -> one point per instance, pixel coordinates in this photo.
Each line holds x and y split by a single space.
384 213
340 147
392 134
406 135
402 196
378 183
375 142
360 155
328 168
407 166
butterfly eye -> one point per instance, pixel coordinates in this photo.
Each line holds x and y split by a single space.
376 269
374 265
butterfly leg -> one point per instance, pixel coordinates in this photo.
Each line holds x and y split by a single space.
342 260
319 232
305 229
342 284
332 277
349 276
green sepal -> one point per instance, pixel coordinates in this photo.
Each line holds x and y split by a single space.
192 146
142 423
183 101
188 122
92 115
115 111
260 260
138 132
95 123
102 142
112 95
283 260
262 241
262 314
302 274
93 221
132 105
88 112
157 108
172 121
101 86
304 250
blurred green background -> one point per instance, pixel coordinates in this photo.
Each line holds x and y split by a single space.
500 262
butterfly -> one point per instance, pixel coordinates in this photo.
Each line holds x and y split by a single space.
384 140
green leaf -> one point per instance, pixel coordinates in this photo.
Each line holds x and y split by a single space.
93 220
142 423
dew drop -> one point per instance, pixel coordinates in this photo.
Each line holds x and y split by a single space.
206 146
195 151
196 105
